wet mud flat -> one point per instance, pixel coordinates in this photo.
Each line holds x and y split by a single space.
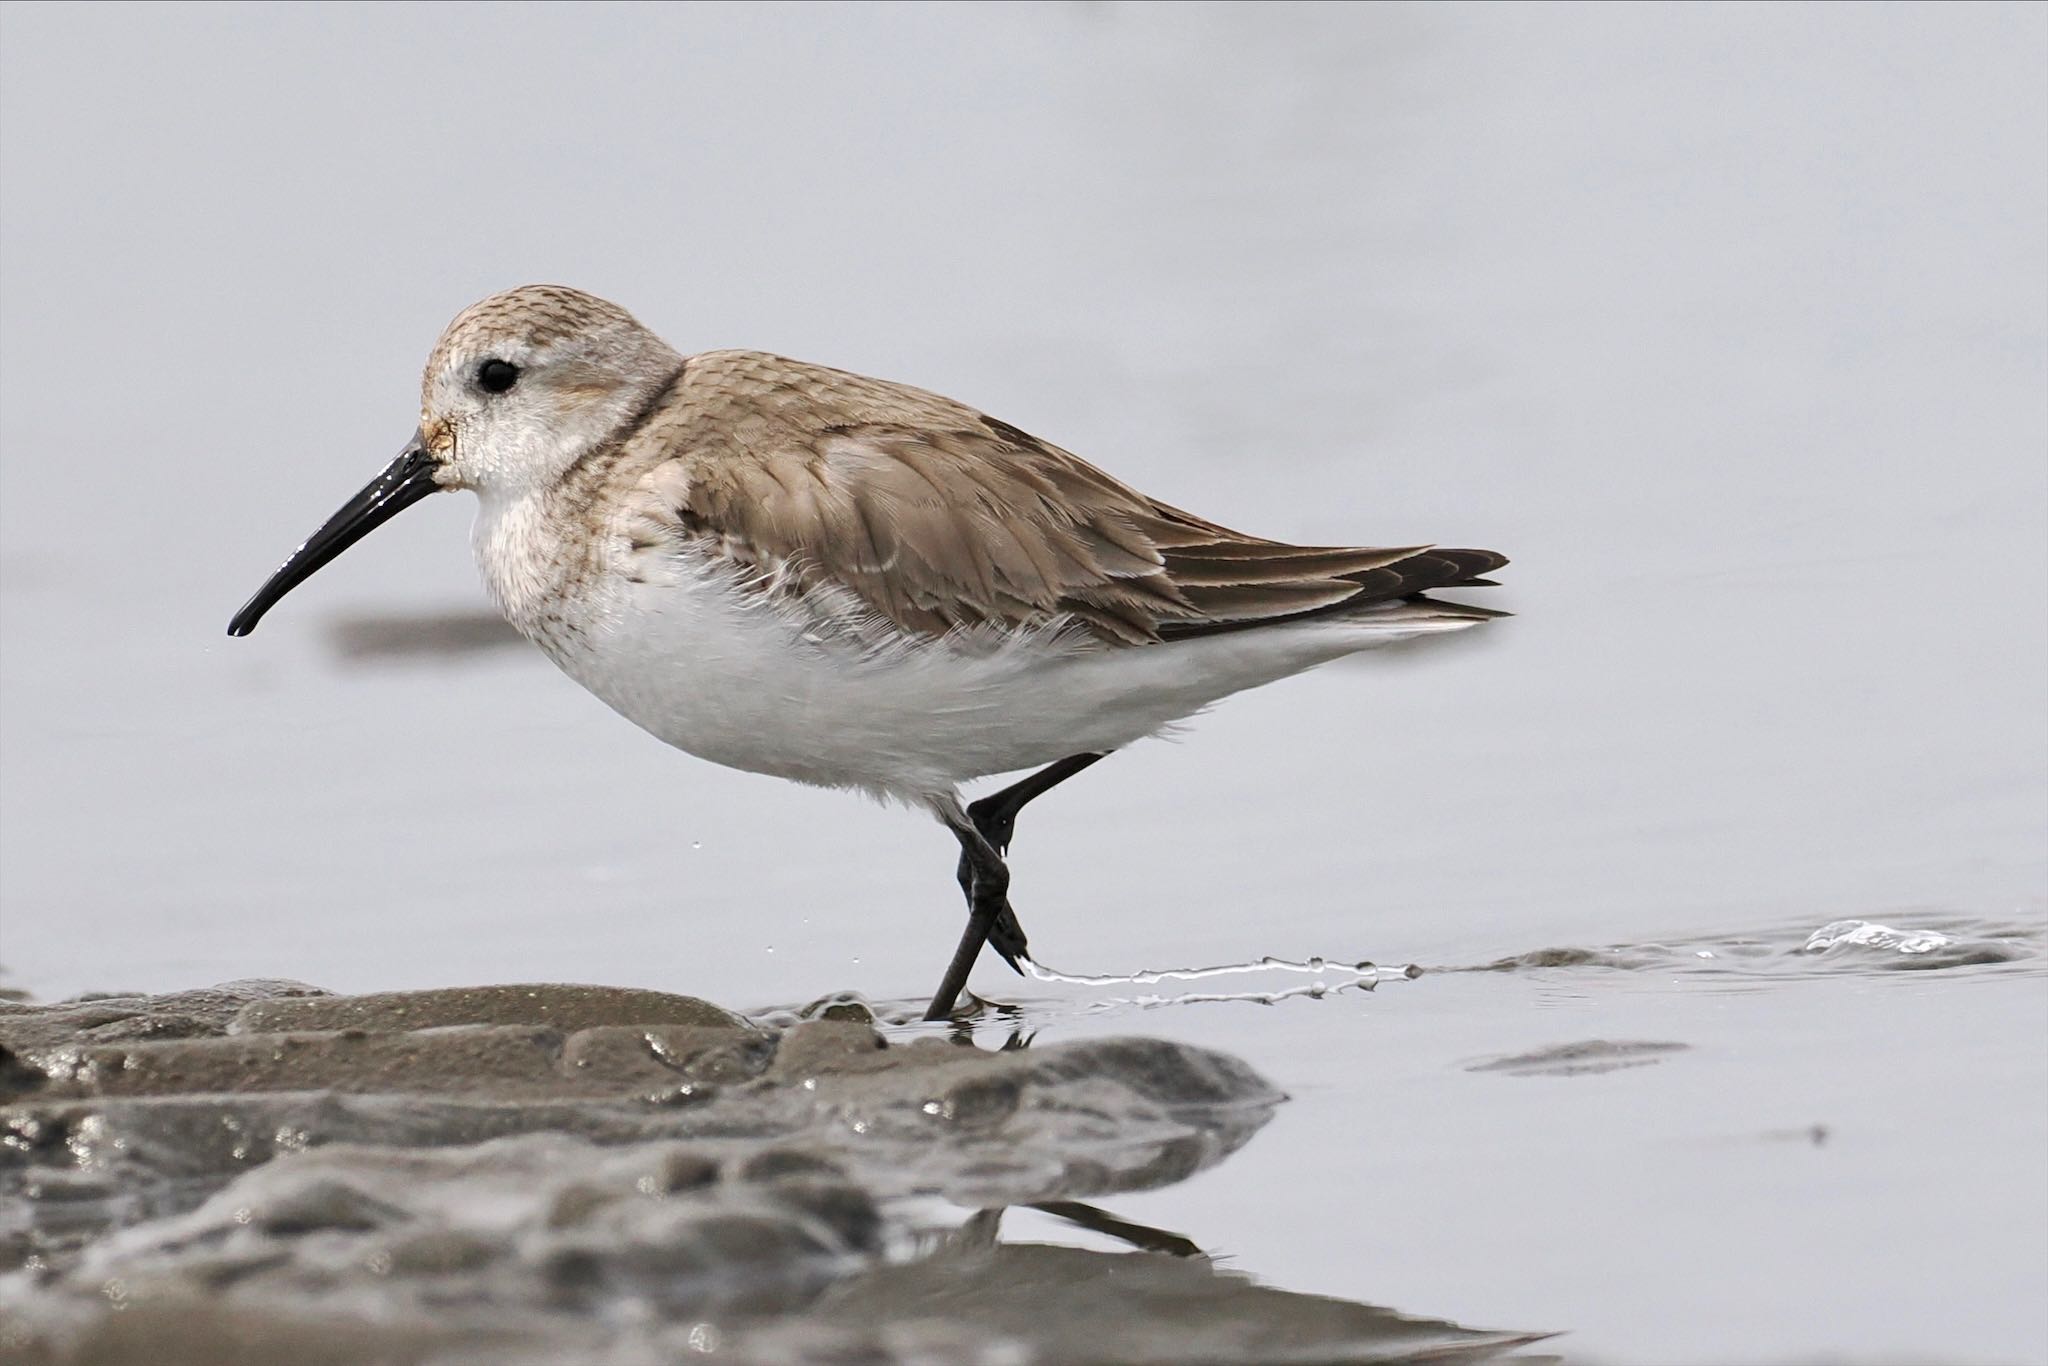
263 1171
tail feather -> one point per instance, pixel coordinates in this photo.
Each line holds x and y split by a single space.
1239 587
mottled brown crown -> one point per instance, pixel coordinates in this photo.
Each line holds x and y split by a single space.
540 315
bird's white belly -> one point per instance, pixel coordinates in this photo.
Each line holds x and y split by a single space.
733 678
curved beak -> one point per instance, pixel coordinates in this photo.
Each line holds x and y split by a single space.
404 482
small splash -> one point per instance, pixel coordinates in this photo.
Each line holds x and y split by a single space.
1871 935
1331 977
1315 991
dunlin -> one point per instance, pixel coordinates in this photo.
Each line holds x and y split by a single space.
847 582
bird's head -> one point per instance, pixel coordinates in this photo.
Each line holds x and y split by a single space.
519 388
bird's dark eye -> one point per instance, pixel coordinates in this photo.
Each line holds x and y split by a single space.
495 376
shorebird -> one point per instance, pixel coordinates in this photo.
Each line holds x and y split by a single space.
849 582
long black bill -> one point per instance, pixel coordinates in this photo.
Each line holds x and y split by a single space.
407 480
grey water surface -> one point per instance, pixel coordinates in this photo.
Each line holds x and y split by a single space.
1728 324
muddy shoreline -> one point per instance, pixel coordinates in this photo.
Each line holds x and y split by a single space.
262 1170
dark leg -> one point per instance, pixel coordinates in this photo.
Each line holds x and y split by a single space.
987 898
995 816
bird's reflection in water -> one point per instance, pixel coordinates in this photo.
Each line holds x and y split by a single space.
380 639
1095 1219
1164 1301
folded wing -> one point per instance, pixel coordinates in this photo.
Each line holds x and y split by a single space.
938 518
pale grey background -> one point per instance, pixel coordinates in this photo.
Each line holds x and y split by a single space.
1728 323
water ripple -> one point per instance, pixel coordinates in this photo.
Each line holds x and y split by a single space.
1839 946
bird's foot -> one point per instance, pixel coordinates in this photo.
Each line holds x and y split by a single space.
1005 933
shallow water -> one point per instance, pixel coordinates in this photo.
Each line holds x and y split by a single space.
1727 325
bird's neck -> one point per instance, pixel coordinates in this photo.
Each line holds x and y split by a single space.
531 563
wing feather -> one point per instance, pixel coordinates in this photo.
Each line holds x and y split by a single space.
938 518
